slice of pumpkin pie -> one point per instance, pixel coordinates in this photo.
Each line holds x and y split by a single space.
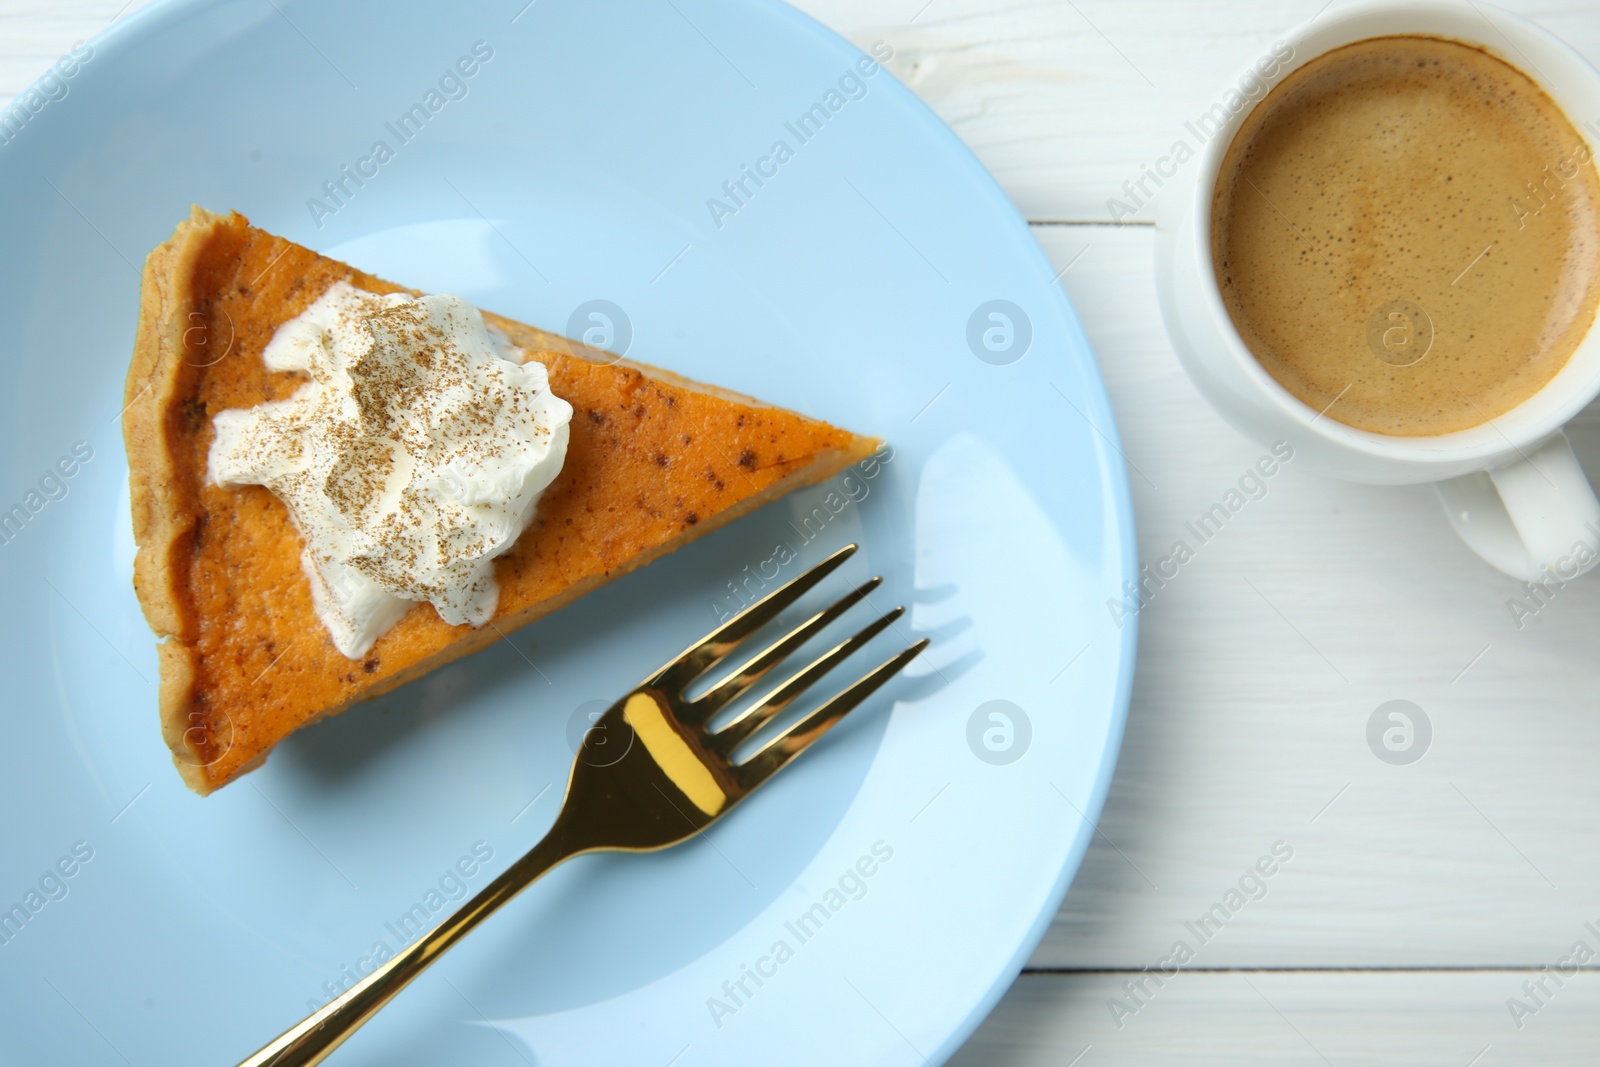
339 484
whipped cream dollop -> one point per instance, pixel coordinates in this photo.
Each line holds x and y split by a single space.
412 457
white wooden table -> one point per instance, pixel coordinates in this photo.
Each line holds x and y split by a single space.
1419 899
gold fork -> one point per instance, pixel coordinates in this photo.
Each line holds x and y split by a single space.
675 778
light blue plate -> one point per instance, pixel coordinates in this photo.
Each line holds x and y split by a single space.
854 283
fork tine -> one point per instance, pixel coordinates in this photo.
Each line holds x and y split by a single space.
772 756
751 719
757 667
702 655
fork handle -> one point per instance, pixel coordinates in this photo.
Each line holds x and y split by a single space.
315 1037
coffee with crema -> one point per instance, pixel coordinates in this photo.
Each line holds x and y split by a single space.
1406 234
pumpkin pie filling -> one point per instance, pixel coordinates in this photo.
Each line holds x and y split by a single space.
653 461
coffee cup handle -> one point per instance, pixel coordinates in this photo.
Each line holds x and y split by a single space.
1533 518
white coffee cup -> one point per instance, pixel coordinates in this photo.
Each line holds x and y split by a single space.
1511 487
